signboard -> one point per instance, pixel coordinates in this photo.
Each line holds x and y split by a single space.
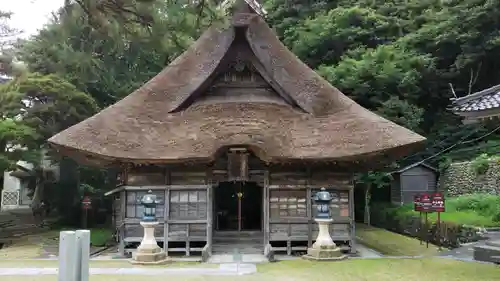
425 203
437 203
429 202
417 204
86 203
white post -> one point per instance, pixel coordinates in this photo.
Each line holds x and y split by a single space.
67 256
83 254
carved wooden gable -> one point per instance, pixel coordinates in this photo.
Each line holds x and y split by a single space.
241 78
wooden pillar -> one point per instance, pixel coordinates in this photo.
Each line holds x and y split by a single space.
188 246
309 216
309 207
166 217
121 226
266 207
210 203
166 214
352 219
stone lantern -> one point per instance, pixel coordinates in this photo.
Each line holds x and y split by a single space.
149 202
324 248
148 251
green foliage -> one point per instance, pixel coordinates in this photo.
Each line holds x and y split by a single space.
326 37
99 237
402 113
482 204
444 163
482 210
386 79
112 61
480 164
375 179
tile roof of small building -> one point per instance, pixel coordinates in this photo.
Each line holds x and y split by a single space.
483 100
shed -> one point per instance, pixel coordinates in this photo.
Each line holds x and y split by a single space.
411 180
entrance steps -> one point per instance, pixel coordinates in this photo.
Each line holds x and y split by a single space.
243 259
238 243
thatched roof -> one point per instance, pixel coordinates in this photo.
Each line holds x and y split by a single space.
165 121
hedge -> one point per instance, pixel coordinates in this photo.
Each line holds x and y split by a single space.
448 234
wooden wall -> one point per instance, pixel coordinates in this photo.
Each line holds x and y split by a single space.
187 215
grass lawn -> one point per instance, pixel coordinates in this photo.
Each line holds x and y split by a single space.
30 246
392 244
349 270
98 236
26 247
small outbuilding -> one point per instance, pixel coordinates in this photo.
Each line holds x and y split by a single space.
411 180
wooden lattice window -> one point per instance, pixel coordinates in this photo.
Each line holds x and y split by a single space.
288 203
135 208
188 204
339 207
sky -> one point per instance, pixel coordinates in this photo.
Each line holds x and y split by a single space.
30 15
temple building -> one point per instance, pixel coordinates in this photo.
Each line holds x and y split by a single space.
480 106
234 137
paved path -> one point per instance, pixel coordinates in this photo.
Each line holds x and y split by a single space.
224 269
365 252
466 251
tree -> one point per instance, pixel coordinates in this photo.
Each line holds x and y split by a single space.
111 62
402 113
374 76
43 105
7 33
17 140
372 180
326 37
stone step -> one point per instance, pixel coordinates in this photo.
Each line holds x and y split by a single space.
238 234
488 252
241 240
239 251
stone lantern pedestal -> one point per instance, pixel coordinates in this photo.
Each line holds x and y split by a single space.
149 252
324 248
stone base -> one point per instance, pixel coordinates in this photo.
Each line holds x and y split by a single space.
490 252
153 257
325 253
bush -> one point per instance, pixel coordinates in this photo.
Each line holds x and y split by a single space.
405 221
99 237
483 204
481 164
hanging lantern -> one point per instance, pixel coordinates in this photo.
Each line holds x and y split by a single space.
149 202
322 199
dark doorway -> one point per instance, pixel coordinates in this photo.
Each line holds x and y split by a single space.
238 206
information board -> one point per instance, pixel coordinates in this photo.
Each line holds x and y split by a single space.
417 205
429 202
438 202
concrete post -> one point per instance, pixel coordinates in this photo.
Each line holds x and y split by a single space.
83 254
67 256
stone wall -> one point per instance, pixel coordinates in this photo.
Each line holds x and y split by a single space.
460 178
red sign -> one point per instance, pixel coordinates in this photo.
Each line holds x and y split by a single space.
438 202
417 204
429 202
86 202
425 203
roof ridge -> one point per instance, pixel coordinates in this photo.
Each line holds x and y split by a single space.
254 4
467 98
